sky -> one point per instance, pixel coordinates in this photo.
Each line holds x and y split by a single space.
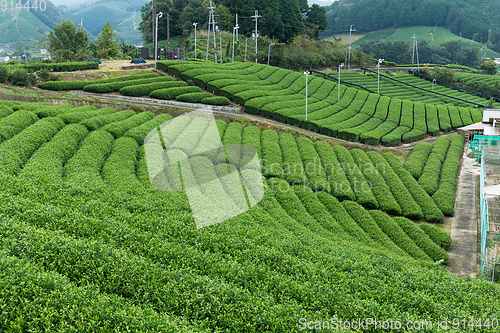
73 2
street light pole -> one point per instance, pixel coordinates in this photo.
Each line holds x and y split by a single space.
269 55
159 15
195 24
307 75
340 66
234 29
378 75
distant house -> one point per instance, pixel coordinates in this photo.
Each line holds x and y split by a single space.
497 61
4 59
44 51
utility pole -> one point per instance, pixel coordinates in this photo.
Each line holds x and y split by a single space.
237 26
168 35
256 17
154 26
209 21
246 46
415 47
195 24
213 28
220 41
350 32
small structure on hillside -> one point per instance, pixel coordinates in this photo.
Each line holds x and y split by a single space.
490 125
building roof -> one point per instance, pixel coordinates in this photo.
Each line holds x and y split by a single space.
489 114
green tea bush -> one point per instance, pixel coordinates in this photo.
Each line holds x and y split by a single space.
416 161
172 93
116 86
15 123
119 128
99 121
271 154
193 97
78 85
216 100
430 175
85 112
312 164
145 89
438 236
138 133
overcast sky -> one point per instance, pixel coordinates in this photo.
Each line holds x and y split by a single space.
72 2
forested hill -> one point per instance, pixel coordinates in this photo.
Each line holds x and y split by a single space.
476 19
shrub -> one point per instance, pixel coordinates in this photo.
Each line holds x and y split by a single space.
251 136
392 229
216 100
97 122
4 74
21 77
430 175
85 112
15 123
312 163
431 212
116 86
77 85
146 89
271 154
409 208
119 128
193 97
293 168
171 93
437 235
422 240
416 161
139 132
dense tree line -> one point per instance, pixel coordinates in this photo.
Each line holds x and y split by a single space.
280 19
477 19
401 52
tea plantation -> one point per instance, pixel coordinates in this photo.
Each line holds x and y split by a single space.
87 244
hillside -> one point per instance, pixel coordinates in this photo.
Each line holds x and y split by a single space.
472 19
27 26
124 16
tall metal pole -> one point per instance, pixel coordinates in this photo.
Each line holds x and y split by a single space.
269 54
340 66
256 17
413 52
220 41
246 47
213 29
378 75
232 57
237 28
416 48
160 14
195 24
350 32
208 37
154 25
168 35
307 74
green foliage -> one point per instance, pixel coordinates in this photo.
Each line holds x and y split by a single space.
215 100
444 197
194 97
119 128
422 240
106 45
437 235
139 133
430 175
21 77
100 121
61 66
77 85
359 185
312 165
431 212
489 67
85 112
172 93
145 89
397 235
271 154
293 168
67 42
416 161
15 123
117 85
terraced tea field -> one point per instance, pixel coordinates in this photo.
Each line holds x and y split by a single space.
86 241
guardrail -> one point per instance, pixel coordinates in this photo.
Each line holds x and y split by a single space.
342 81
427 90
442 83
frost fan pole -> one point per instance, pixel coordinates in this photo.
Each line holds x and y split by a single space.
256 17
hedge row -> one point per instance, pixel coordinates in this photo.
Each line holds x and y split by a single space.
84 167
119 128
16 151
187 141
359 185
422 240
139 133
54 111
444 118
82 114
392 229
374 136
429 179
444 197
365 221
119 169
62 66
312 164
380 190
432 119
431 212
293 167
317 210
102 88
416 161
78 85
271 154
193 97
171 130
251 137
97 122
339 185
45 166
345 220
145 89
394 137
215 100
437 235
172 93
15 123
409 208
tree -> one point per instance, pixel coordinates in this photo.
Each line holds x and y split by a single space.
316 20
489 67
106 45
225 19
67 43
19 49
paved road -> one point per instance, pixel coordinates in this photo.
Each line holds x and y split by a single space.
463 249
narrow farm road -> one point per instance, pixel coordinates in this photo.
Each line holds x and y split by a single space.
463 249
